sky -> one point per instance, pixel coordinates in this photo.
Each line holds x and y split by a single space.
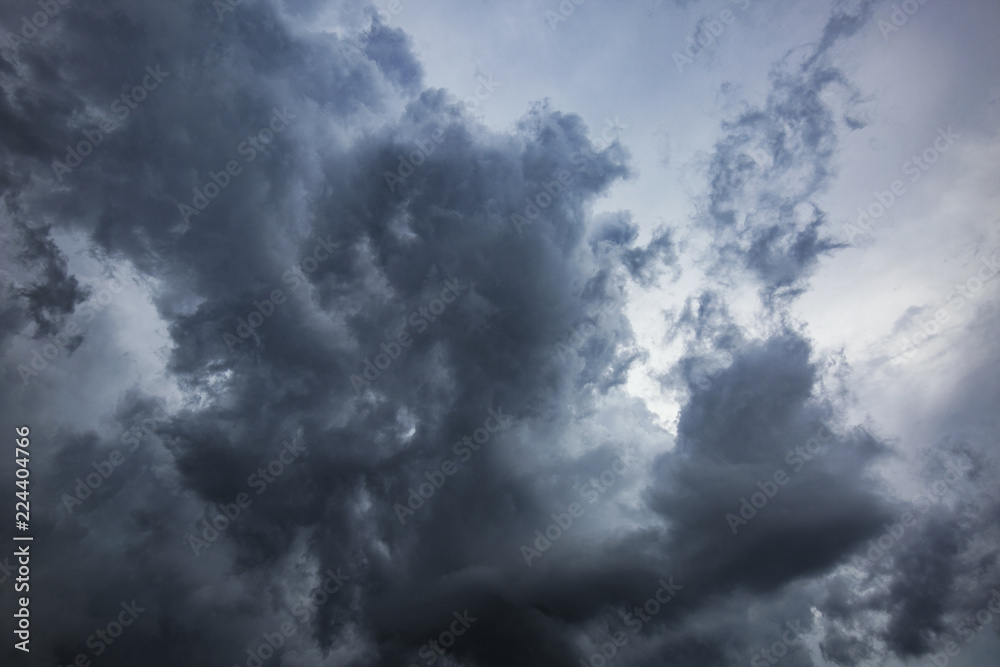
656 332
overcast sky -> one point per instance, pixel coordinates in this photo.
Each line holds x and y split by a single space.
656 332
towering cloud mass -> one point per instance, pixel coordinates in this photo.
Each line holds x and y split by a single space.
382 417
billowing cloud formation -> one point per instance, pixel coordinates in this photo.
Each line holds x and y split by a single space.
400 346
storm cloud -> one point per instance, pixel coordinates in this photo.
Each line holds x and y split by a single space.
321 368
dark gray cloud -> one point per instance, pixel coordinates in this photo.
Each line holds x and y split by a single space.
344 313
